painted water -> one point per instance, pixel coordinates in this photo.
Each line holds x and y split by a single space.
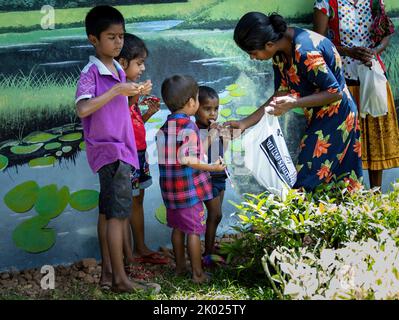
38 153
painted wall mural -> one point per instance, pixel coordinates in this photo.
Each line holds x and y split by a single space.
48 194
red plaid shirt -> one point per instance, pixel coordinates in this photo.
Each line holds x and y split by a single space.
181 185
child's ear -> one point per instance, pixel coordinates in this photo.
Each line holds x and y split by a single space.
93 39
124 63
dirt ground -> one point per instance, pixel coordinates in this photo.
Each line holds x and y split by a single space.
71 278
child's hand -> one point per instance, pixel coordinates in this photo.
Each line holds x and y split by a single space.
145 87
128 89
218 165
153 106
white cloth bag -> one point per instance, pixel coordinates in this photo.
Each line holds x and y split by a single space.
267 156
373 90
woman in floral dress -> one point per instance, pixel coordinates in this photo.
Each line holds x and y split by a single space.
307 74
349 24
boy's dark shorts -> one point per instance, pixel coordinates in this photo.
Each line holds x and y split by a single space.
115 190
141 179
218 185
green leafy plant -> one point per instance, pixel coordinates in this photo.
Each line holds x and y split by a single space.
328 218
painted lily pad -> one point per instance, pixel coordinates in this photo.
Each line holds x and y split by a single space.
22 198
3 162
42 162
154 120
50 203
225 100
238 93
298 111
66 149
32 236
84 200
226 112
36 137
160 214
26 149
59 153
82 146
8 143
232 119
246 110
232 87
71 137
52 146
158 126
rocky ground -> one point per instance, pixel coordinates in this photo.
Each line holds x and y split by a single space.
82 275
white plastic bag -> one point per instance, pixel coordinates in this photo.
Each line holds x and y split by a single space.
373 90
267 156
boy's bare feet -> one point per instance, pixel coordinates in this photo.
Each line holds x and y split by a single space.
202 278
106 280
181 271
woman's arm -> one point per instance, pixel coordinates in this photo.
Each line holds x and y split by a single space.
284 104
249 121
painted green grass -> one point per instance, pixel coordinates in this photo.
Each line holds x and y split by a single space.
24 97
391 59
74 16
226 13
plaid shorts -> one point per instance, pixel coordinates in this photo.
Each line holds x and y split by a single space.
141 179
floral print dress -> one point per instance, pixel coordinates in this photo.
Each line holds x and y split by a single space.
330 148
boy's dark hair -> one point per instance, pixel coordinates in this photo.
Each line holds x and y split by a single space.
133 48
205 93
177 90
100 18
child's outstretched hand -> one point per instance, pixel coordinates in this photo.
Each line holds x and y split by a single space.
218 165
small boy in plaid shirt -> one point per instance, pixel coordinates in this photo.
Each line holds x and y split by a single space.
183 174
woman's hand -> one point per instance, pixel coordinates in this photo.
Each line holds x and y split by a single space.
281 105
360 53
236 128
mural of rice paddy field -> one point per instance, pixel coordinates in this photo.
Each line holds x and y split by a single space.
48 194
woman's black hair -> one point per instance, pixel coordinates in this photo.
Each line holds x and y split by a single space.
205 93
255 29
100 18
133 48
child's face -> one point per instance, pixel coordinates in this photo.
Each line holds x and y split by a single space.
111 41
135 69
209 110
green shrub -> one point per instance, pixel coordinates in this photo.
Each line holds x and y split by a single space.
327 218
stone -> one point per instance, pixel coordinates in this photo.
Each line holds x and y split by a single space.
90 262
5 276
